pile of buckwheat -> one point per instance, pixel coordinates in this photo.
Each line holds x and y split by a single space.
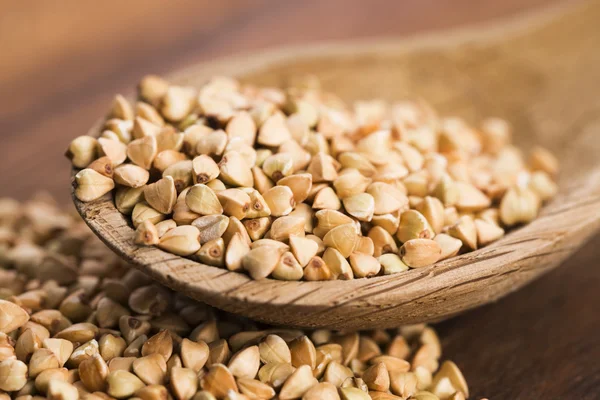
77 322
293 184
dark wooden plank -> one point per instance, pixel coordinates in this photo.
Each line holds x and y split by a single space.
539 343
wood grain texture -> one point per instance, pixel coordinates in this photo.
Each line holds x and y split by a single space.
539 342
526 53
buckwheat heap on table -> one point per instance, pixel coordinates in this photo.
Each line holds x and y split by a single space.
293 184
77 322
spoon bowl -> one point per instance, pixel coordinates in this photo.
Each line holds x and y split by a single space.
540 72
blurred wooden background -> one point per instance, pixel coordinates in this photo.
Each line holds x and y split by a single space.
62 61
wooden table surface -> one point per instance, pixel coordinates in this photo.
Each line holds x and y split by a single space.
62 62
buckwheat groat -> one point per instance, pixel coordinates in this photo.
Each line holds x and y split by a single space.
368 180
77 322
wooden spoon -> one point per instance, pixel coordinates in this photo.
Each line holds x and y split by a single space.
540 72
